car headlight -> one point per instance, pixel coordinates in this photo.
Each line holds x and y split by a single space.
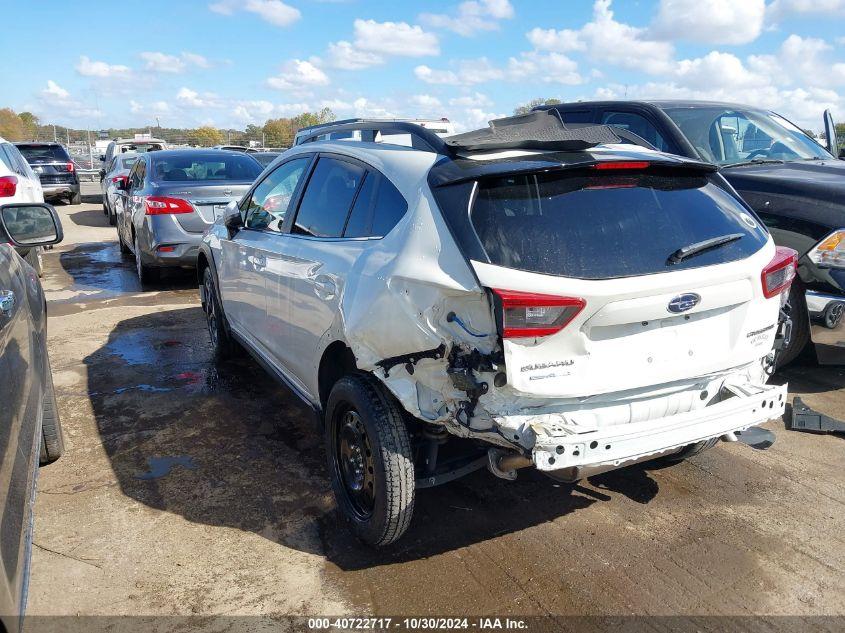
830 252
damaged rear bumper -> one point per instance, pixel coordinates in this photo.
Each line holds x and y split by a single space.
576 455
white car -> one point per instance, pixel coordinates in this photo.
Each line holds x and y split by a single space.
523 296
18 183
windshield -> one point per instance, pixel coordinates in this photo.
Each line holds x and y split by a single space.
729 137
218 166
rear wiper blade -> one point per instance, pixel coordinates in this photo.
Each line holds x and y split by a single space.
755 161
699 247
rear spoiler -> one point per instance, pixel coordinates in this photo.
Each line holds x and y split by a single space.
456 171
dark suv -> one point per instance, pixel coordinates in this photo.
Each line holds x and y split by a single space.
56 169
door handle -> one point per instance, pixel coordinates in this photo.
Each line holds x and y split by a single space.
324 287
7 302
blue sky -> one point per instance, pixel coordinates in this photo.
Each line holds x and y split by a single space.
233 62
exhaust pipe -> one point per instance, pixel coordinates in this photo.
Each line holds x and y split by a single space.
504 464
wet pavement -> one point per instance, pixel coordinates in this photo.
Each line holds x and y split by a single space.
198 489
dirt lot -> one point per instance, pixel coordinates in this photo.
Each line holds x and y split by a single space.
193 489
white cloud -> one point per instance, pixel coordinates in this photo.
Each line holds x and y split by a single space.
164 63
778 9
394 38
800 61
275 12
297 76
54 91
527 67
471 17
193 99
563 41
90 68
710 21
475 100
426 102
345 56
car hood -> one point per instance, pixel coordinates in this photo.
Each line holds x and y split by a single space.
823 179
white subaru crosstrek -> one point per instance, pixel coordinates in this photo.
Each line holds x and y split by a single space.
523 295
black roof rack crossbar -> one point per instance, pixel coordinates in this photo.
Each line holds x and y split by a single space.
421 138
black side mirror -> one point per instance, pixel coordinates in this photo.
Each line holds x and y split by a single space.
842 153
233 222
31 224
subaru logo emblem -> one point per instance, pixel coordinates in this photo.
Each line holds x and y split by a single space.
683 302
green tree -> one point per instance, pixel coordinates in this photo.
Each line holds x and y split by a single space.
11 126
205 136
30 123
278 132
526 108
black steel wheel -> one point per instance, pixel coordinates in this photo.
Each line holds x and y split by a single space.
370 461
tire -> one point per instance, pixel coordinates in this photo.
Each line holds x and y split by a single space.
146 274
75 198
800 324
33 257
365 431
105 206
688 451
124 249
222 343
52 440
112 218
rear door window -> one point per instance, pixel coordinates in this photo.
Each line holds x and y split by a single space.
378 208
44 153
606 226
328 198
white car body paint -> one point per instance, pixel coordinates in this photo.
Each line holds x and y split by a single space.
623 374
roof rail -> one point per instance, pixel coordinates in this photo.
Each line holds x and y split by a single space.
421 138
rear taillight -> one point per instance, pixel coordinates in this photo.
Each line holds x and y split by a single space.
526 314
780 272
161 205
70 166
119 179
8 186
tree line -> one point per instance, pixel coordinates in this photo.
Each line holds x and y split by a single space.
25 126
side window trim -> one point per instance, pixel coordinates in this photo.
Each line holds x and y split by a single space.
284 229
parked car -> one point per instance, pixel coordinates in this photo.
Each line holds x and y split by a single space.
139 146
55 168
567 305
18 183
265 158
116 171
170 198
232 148
30 430
796 187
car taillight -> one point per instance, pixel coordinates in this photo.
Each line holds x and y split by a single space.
119 179
621 164
161 205
8 186
780 272
526 314
830 252
70 166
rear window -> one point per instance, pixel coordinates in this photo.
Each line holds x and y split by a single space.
198 167
592 226
128 162
44 153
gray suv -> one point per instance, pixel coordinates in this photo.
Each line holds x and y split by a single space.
170 198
